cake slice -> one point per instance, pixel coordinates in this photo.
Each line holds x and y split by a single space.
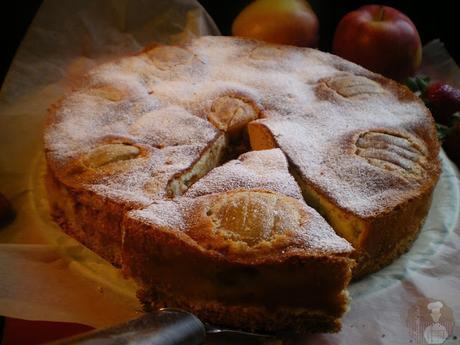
254 260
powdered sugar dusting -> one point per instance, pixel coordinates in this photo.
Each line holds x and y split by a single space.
159 100
172 126
152 174
319 235
164 214
260 170
246 222
324 152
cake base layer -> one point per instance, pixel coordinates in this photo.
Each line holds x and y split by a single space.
254 319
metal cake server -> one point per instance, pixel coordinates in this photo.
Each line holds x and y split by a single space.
167 326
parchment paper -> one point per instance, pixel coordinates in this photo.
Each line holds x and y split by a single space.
45 275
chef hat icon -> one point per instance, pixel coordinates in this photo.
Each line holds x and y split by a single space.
435 307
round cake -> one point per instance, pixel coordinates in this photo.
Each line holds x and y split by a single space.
243 181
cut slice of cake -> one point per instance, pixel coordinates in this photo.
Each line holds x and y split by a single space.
253 260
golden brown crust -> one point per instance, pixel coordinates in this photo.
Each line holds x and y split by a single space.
93 220
391 235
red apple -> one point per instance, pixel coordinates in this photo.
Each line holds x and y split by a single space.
381 39
278 21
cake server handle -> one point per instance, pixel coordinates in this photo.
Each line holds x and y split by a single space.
166 326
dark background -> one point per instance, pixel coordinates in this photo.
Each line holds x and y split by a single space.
433 19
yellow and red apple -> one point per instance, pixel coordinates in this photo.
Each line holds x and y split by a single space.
381 39
278 21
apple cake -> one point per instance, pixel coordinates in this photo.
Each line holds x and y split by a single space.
243 181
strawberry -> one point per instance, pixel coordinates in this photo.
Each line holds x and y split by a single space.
443 100
444 103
